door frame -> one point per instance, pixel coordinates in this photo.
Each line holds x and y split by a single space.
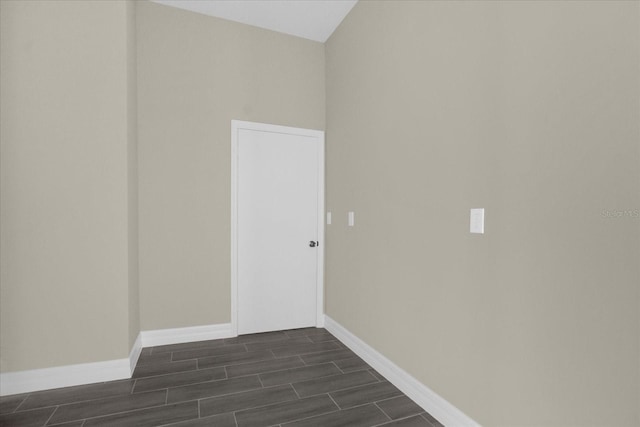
236 126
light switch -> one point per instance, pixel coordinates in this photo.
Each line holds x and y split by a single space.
328 218
351 219
477 221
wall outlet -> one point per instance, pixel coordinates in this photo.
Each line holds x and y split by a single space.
476 223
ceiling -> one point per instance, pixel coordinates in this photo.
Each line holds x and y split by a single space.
311 19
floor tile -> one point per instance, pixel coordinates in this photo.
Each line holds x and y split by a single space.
164 368
247 400
400 407
224 420
207 352
213 388
148 417
305 331
287 342
110 405
234 359
327 356
77 394
256 338
361 416
148 359
415 421
332 383
9 404
284 412
179 379
352 364
321 337
365 394
435 423
288 376
303 377
377 375
78 423
295 350
195 345
34 417
264 366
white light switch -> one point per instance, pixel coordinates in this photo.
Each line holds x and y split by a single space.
328 218
351 218
477 221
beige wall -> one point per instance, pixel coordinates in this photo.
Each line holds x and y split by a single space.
132 173
65 126
70 167
197 73
530 110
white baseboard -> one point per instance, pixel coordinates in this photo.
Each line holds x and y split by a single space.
181 335
431 402
63 376
134 355
96 372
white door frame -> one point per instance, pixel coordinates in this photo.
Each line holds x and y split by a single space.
236 126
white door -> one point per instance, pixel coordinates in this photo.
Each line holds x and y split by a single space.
278 225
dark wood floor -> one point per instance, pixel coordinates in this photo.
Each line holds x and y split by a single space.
296 378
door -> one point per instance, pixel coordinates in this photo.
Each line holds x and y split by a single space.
279 174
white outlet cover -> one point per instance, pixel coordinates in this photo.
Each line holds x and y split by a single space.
328 218
351 219
476 222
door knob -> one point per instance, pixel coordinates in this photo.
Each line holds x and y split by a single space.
313 244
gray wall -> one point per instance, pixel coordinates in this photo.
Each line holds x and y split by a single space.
529 110
67 130
195 74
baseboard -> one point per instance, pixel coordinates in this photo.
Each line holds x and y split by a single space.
134 355
441 409
96 372
63 376
189 334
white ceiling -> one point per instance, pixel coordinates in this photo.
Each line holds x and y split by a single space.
311 19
